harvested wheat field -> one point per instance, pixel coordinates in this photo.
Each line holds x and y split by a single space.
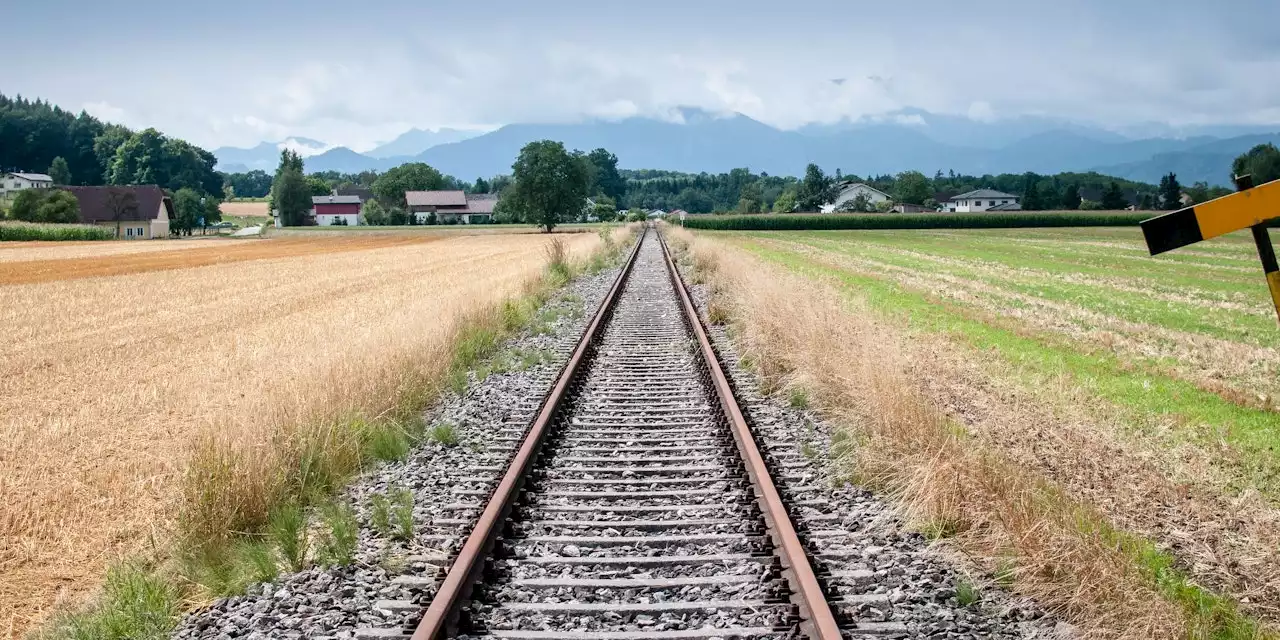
243 209
111 373
45 264
1097 426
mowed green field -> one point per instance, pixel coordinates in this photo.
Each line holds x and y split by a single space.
1180 348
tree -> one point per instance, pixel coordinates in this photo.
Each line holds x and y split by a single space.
1031 200
26 205
551 183
858 204
413 176
605 210
122 203
1113 198
318 186
786 203
912 187
1146 202
187 210
1262 162
1170 192
59 171
1071 198
749 198
59 207
816 189
482 186
604 175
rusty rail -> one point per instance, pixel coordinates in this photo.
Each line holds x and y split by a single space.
442 612
817 620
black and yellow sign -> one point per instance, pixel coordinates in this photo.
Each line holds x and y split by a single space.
1249 208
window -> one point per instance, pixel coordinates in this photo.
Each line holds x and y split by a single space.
128 232
141 232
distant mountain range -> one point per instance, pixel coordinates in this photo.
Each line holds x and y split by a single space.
909 139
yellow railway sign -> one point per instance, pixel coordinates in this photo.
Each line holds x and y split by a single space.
1249 208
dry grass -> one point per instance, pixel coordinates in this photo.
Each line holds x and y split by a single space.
181 256
109 386
896 439
244 209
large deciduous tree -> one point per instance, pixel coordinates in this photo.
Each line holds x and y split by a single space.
605 179
414 176
1262 162
912 187
816 189
550 184
187 210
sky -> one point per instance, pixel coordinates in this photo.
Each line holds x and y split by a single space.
238 72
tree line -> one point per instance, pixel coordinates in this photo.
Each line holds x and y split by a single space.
79 149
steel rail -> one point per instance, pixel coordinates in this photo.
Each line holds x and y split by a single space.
442 612
817 620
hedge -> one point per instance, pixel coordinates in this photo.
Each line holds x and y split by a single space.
29 231
803 222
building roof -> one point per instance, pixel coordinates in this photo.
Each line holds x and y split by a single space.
335 200
435 198
984 193
1011 206
365 193
481 202
850 185
94 203
34 177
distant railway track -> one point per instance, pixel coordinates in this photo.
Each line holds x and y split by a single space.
638 504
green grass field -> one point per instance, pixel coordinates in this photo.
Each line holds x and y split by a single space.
1188 338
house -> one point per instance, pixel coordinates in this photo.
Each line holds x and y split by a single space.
904 207
982 200
656 214
149 219
12 183
329 210
849 191
451 207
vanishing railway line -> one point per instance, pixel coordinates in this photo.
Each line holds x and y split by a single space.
638 504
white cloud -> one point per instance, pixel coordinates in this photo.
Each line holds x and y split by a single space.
1081 62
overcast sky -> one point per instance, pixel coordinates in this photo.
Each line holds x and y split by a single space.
236 72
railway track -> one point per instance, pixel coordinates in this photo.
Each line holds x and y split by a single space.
639 505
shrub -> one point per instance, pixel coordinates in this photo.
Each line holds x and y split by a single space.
402 513
801 222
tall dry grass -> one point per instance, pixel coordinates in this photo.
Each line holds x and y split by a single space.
130 401
800 333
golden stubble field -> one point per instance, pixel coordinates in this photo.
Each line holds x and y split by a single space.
106 381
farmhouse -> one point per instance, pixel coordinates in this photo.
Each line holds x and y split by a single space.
334 209
103 206
983 200
849 191
12 183
451 207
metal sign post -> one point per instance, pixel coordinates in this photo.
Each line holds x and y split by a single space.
1250 207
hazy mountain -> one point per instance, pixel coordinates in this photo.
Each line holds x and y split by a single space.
266 155
1209 161
910 139
415 141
